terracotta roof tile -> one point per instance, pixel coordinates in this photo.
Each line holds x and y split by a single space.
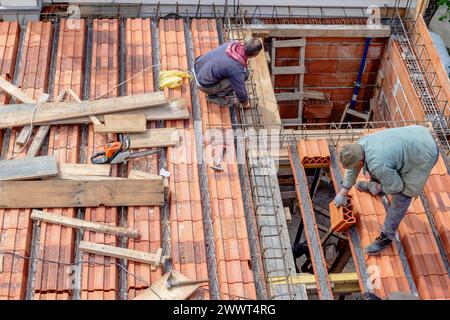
231 239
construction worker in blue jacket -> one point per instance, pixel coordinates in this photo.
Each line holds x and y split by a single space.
221 72
398 162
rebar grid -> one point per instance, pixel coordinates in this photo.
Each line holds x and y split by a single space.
420 82
268 211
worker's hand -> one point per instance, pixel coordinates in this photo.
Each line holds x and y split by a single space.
375 188
341 198
246 104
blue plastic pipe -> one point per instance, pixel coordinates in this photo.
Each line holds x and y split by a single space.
360 72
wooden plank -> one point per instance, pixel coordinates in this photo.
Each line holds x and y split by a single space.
14 116
159 290
75 97
28 168
160 137
26 131
288 70
138 174
82 169
289 43
69 193
122 123
37 142
287 96
267 103
14 91
84 224
318 30
163 112
156 259
287 214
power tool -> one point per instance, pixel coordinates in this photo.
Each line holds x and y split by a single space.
118 152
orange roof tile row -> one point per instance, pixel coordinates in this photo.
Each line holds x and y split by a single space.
16 231
231 239
102 276
314 153
186 220
57 242
437 191
143 218
9 42
427 267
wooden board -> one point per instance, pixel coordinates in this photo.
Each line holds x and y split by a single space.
38 140
288 70
69 193
14 91
87 225
159 290
289 43
160 137
156 259
151 114
288 96
318 30
14 115
84 169
127 123
28 168
138 174
267 103
26 131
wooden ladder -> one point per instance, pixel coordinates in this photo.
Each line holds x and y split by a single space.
300 70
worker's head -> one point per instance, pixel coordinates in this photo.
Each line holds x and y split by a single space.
252 47
352 156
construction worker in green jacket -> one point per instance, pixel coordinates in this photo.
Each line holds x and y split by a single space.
398 162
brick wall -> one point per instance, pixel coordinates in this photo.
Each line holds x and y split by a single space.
331 66
397 99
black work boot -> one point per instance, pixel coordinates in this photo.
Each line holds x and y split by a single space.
379 244
226 101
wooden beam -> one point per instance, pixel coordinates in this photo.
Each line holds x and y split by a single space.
25 133
287 96
70 194
287 214
159 137
19 115
156 259
138 174
118 123
83 224
28 168
80 171
75 97
38 140
289 43
14 91
318 30
267 103
288 194
160 291
288 70
164 112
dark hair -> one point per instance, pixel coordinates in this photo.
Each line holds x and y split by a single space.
252 46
